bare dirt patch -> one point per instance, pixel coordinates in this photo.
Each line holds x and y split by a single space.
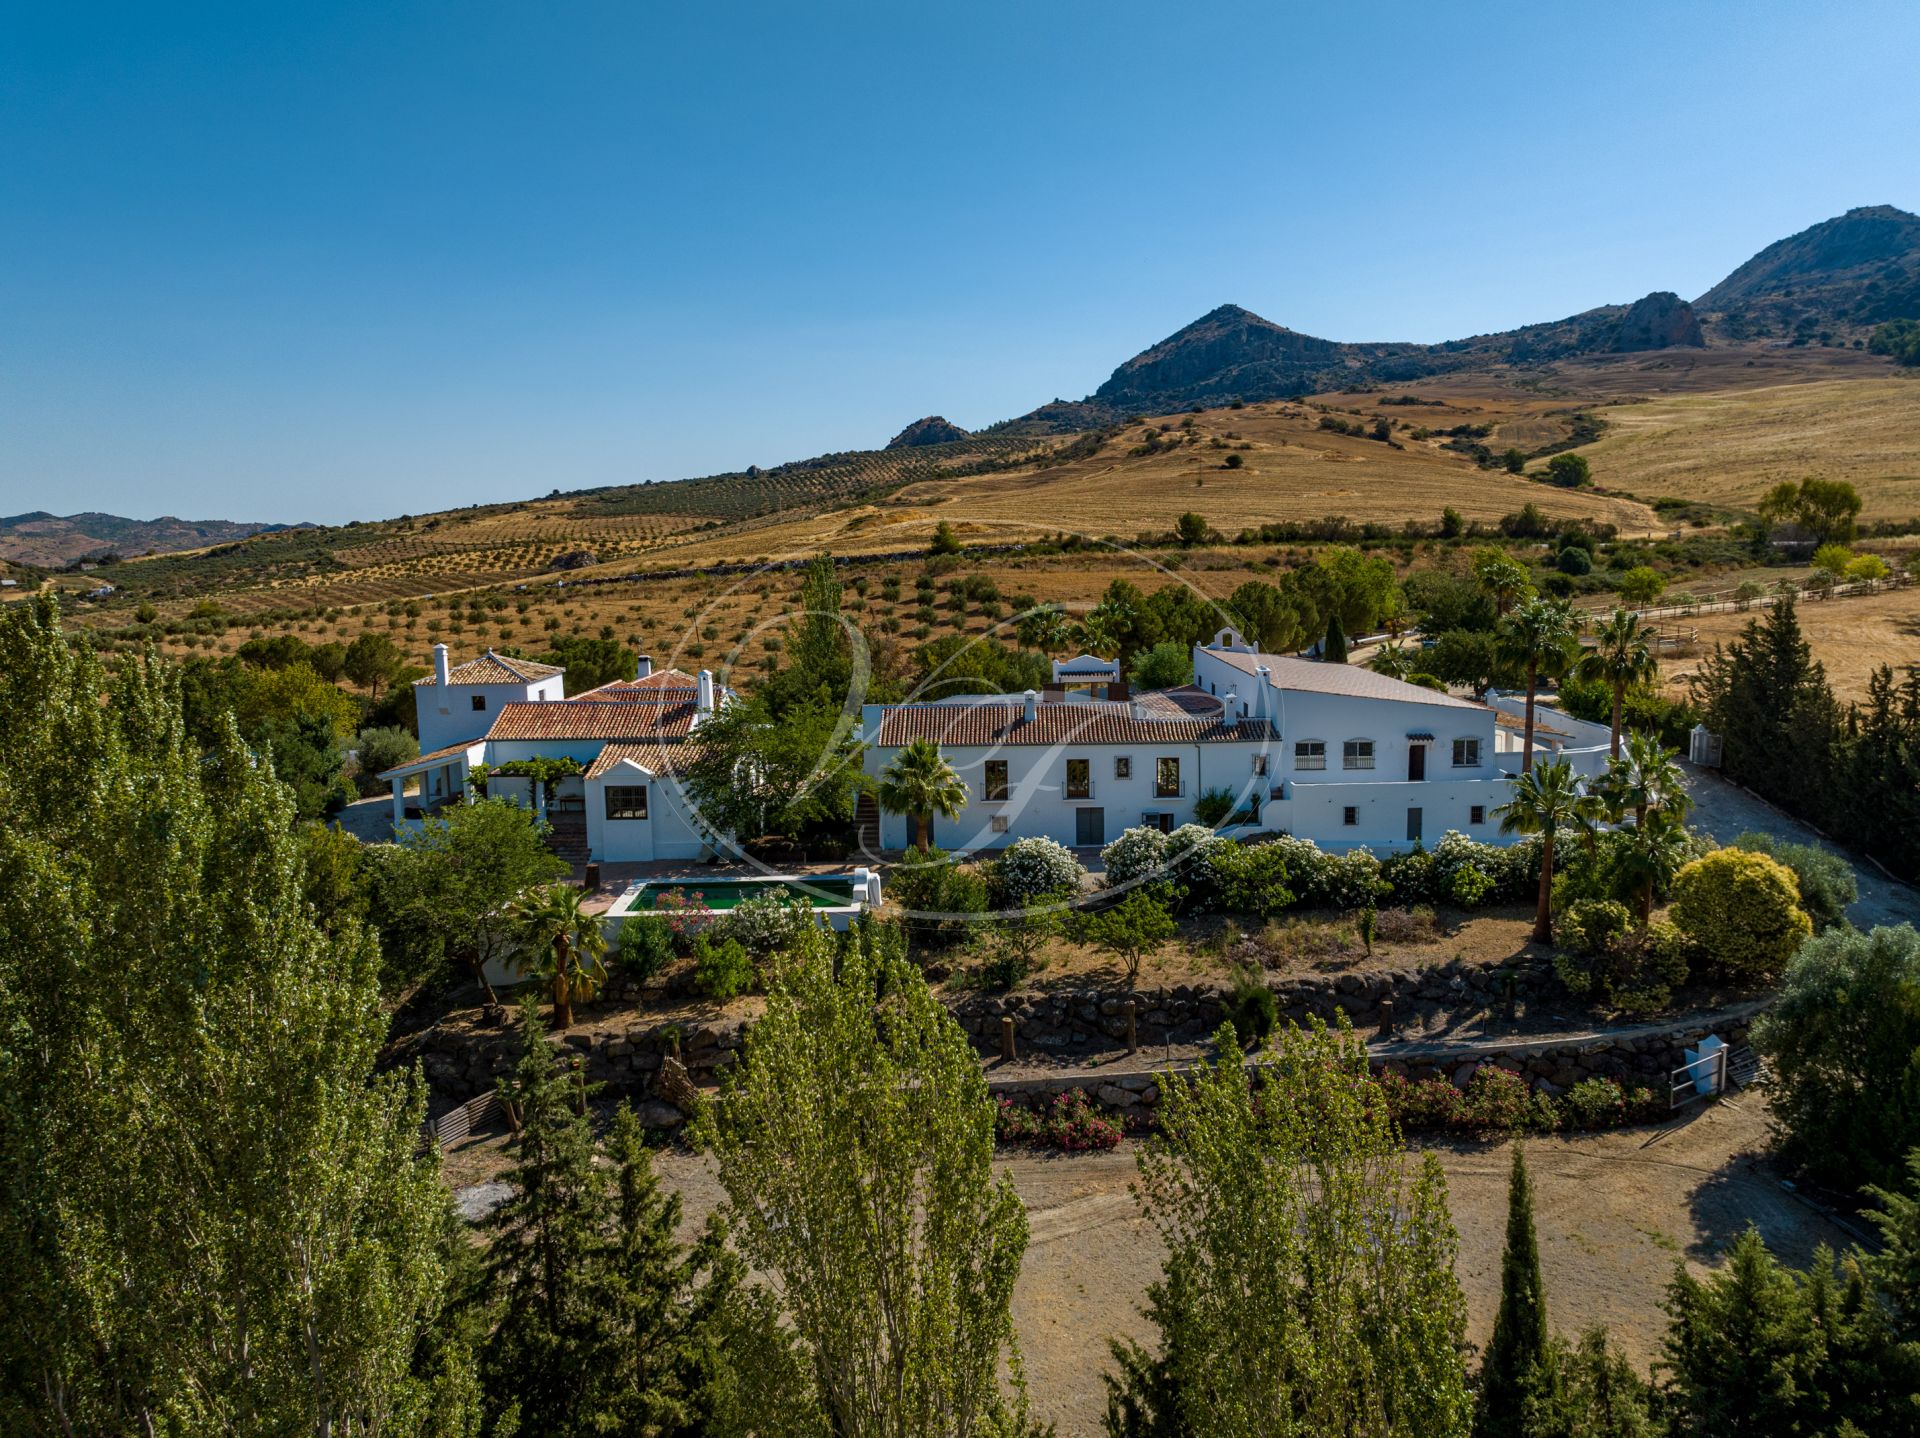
1615 1213
1851 636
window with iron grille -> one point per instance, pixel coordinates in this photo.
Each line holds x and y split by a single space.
1123 766
1357 754
1350 816
626 801
1310 754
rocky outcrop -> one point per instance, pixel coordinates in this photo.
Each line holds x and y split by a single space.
1660 321
1854 270
934 429
576 559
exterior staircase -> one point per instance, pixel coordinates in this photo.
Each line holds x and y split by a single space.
567 836
866 824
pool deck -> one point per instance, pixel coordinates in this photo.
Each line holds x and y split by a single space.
615 879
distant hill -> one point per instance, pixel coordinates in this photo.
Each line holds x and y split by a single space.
934 429
1830 283
1839 275
1232 354
52 540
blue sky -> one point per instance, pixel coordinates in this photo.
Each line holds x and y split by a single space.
289 261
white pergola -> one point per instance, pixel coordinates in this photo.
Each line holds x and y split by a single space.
443 780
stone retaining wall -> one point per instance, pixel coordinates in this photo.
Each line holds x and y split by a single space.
1058 1023
1642 1057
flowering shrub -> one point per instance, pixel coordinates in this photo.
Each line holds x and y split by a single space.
764 924
686 916
1199 858
1463 871
1031 868
1137 854
1071 1123
1321 880
1496 1101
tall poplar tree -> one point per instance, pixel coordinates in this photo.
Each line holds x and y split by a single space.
855 1145
1309 1284
215 1217
1516 1376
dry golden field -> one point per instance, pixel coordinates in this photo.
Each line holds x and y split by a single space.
1852 636
1731 447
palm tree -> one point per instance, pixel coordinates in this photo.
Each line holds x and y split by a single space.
1622 655
921 783
1503 577
1648 777
565 947
1537 636
1545 801
1393 660
1656 847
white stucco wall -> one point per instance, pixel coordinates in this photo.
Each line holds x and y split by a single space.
668 832
446 716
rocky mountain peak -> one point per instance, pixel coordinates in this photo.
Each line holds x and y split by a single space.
934 429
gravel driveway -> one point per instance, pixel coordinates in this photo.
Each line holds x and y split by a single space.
1726 811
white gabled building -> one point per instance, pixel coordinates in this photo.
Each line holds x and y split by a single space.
629 737
1328 752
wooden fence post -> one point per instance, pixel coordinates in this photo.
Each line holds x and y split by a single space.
1006 1037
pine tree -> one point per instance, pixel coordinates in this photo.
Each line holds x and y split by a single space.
1334 649
1516 1377
601 1322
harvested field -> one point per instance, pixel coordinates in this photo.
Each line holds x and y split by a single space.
1731 447
1851 636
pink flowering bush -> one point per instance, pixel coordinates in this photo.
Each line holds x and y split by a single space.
1071 1123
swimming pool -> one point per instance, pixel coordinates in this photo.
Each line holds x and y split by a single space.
835 897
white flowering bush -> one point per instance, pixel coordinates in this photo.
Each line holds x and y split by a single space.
764 924
1139 853
1030 868
1320 880
1193 852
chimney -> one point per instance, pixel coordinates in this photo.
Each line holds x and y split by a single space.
704 705
643 666
442 674
1232 717
1263 696
1032 710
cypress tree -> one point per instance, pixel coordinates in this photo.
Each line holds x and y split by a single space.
1518 1369
1334 650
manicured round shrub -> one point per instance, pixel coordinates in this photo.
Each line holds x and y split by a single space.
1138 854
1031 868
1590 926
1743 911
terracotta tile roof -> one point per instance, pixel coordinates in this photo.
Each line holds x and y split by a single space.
435 756
656 759
1097 722
491 668
1311 676
619 719
668 680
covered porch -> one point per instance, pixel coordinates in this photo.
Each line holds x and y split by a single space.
442 777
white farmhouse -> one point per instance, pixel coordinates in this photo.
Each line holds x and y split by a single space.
628 736
1328 752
